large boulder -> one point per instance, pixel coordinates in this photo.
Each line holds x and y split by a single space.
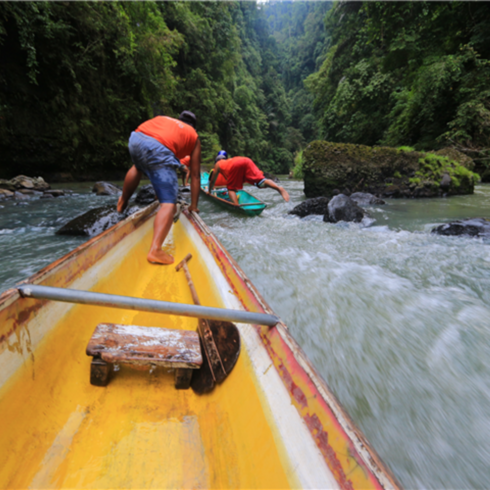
343 208
474 227
316 205
95 221
106 189
382 171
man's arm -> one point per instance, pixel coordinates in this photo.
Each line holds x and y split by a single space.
195 166
273 185
214 177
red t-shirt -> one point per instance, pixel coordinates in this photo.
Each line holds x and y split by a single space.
220 181
238 170
186 160
179 137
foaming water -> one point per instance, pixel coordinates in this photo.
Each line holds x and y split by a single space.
395 319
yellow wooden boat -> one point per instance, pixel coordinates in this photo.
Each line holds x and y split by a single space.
273 423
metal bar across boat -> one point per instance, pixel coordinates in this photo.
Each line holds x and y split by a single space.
140 304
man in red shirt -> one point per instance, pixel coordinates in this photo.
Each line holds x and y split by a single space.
185 170
238 170
156 147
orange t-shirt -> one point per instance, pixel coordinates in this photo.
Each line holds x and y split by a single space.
177 136
225 167
186 160
238 170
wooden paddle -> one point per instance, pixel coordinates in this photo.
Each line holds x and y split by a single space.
220 342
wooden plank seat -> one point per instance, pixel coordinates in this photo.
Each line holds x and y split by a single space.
143 346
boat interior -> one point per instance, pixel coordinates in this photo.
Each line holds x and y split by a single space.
271 423
60 431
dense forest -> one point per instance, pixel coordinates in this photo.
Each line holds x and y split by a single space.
407 73
78 77
264 79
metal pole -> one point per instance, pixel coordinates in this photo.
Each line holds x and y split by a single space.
140 304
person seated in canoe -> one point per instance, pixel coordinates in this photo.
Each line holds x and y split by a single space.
237 171
185 171
155 148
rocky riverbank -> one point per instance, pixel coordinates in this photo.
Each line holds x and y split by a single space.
333 168
22 187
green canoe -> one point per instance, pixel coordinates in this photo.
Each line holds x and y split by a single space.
247 204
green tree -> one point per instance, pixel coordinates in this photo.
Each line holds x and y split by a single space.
406 73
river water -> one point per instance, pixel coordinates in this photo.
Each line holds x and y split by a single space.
396 320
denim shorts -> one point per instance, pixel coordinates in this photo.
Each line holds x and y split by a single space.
158 163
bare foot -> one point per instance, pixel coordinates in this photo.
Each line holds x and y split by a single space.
160 257
284 194
121 204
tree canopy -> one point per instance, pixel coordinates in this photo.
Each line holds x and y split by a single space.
78 77
264 79
406 73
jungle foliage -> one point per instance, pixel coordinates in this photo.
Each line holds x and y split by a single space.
264 79
299 30
406 73
78 77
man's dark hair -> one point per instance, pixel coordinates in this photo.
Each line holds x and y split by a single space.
188 117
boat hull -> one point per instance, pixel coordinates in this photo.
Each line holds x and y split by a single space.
248 204
272 424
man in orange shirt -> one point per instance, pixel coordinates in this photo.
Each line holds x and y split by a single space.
238 170
155 148
186 171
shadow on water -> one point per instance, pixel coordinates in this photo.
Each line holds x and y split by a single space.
395 319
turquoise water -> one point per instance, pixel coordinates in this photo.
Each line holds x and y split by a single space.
396 320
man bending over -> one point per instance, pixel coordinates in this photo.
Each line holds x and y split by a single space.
238 170
155 148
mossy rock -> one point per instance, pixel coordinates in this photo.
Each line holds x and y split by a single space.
457 156
382 171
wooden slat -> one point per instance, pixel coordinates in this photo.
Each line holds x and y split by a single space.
131 344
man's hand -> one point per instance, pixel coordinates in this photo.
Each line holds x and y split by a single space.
193 208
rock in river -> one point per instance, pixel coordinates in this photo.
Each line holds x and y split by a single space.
343 208
475 227
316 205
95 221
